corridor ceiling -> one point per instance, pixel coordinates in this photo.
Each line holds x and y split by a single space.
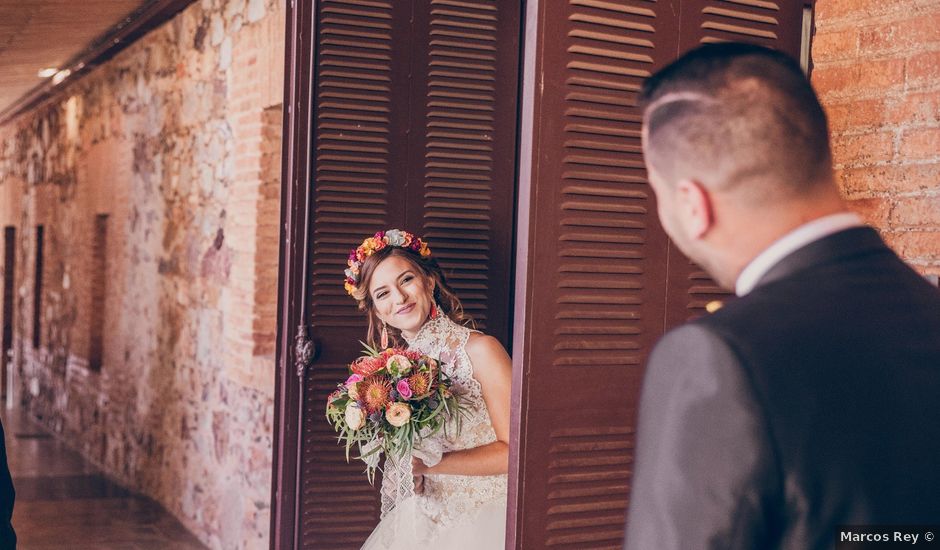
46 34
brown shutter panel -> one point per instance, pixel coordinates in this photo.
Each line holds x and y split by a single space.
773 24
595 275
414 126
466 124
359 145
602 280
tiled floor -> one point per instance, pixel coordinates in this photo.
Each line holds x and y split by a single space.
62 501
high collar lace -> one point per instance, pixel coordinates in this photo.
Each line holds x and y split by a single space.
428 331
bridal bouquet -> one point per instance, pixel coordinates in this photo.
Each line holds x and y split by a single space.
392 400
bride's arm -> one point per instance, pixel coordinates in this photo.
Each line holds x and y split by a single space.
492 368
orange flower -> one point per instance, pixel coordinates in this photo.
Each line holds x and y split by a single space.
367 366
420 384
375 392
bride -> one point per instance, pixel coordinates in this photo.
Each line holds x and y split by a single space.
454 495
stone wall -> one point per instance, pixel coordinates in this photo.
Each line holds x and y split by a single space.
177 141
877 70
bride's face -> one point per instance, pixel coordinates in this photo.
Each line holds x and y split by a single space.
401 295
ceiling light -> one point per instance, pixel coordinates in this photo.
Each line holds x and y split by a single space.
47 72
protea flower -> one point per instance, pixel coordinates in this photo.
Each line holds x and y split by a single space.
374 391
367 366
419 383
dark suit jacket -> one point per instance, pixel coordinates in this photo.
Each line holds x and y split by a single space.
813 401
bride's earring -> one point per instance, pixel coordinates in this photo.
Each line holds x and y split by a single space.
433 310
384 335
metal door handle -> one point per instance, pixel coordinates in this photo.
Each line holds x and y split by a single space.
305 350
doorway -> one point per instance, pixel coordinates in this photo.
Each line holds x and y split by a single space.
404 115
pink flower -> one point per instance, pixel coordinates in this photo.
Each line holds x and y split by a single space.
404 389
354 379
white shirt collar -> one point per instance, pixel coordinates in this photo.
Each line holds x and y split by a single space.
798 238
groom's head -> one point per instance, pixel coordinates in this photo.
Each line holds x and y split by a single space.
731 132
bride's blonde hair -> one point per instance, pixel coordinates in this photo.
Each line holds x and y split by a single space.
444 296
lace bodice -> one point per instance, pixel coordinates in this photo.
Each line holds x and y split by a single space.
450 497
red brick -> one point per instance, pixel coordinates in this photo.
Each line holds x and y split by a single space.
923 69
856 114
917 244
916 212
920 144
827 10
832 45
870 76
891 179
867 148
915 108
874 211
916 31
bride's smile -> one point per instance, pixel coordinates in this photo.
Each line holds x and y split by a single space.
401 296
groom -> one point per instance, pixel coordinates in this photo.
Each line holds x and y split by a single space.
812 400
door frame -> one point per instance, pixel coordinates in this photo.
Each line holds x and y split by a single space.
521 292
295 351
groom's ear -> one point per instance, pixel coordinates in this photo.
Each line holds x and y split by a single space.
695 208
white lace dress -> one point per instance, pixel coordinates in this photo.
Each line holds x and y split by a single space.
454 512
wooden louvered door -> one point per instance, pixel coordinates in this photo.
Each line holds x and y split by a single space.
358 151
772 23
595 275
464 178
599 280
775 24
413 126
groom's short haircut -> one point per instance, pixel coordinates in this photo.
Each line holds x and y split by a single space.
737 116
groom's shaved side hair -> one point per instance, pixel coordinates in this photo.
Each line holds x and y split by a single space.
737 116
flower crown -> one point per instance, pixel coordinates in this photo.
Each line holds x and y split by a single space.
392 237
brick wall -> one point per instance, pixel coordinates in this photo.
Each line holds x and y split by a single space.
177 140
877 70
